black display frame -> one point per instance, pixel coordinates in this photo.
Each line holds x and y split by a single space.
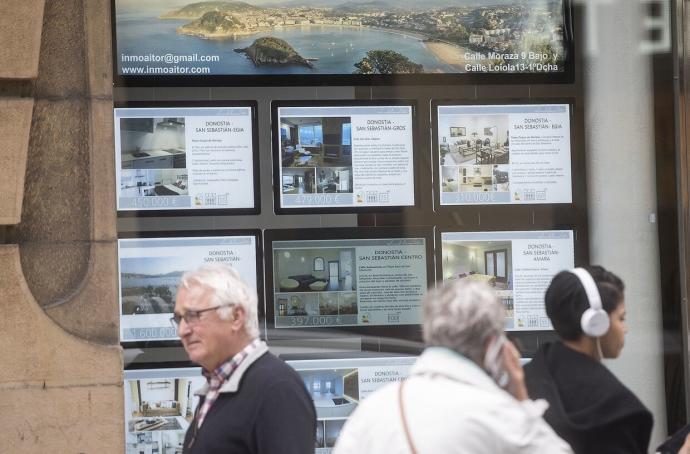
567 76
372 336
181 234
535 211
207 104
276 154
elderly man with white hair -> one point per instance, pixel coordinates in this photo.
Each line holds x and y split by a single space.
465 394
253 402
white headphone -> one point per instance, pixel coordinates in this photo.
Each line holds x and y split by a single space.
595 321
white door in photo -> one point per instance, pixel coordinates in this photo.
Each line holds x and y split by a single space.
333 275
501 264
490 269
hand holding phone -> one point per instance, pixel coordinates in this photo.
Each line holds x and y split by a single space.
493 361
511 362
502 362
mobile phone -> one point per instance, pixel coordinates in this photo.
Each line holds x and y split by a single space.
493 361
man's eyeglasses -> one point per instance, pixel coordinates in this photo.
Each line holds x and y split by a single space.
193 317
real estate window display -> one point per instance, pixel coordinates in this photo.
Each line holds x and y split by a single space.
456 134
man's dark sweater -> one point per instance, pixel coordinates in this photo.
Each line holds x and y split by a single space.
270 413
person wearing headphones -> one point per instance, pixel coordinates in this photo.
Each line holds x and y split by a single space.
588 406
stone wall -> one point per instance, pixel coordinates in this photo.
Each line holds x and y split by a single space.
61 371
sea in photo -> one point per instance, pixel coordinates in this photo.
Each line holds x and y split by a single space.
335 48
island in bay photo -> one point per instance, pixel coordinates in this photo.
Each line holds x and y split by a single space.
161 37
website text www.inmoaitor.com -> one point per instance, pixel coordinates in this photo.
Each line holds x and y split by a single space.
167 59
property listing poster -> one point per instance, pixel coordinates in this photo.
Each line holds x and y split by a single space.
338 385
184 158
150 270
362 282
351 156
504 154
159 406
518 265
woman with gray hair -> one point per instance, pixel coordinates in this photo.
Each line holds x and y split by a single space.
465 394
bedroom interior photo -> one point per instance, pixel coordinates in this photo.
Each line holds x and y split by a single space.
488 261
484 261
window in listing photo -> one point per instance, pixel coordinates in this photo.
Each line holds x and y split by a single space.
294 270
335 391
316 142
305 288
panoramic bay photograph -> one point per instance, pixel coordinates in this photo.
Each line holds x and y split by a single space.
178 37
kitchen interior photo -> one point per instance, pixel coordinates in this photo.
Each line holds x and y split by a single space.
476 178
153 143
154 182
335 391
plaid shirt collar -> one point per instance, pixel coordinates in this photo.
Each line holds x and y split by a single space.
220 375
225 370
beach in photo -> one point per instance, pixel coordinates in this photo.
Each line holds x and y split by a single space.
449 54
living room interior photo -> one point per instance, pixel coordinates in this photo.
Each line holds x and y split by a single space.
314 270
473 139
316 141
